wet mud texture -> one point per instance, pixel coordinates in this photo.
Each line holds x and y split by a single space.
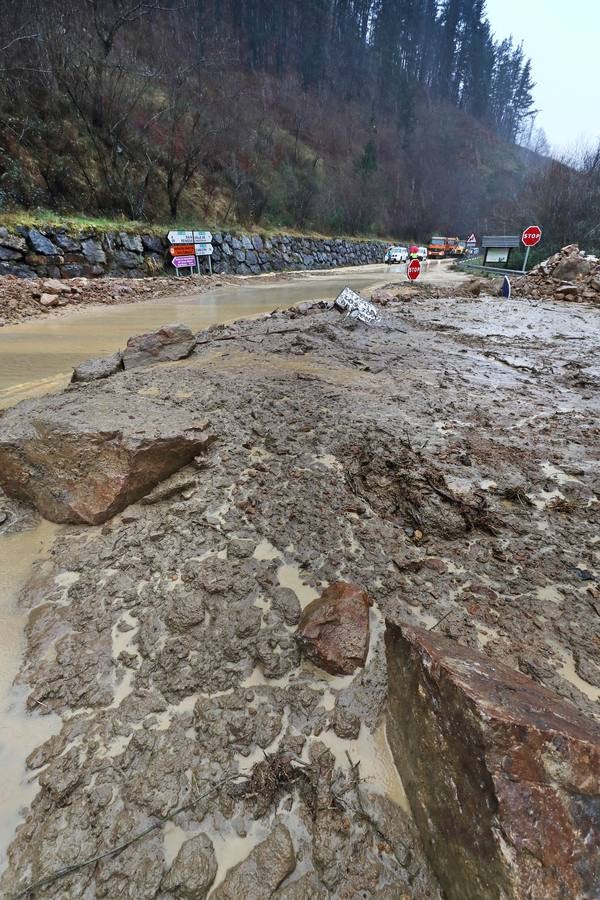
446 461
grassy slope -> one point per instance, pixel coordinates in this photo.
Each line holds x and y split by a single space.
40 218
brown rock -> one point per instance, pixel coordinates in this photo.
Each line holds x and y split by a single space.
571 267
49 300
334 629
168 343
503 776
55 286
82 456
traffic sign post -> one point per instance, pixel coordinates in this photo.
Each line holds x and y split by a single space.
531 237
184 262
186 245
413 269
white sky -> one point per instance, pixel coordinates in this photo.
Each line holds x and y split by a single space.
563 41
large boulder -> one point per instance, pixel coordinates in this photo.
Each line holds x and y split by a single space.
168 343
503 776
333 630
81 457
569 268
261 873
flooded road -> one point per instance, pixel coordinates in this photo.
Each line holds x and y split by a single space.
20 732
38 356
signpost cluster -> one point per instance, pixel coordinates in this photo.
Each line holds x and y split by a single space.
498 248
187 247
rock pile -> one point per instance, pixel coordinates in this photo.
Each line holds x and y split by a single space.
568 275
22 299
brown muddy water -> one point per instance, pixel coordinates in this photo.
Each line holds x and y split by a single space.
20 732
38 356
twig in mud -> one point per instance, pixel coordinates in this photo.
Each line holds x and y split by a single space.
76 867
439 621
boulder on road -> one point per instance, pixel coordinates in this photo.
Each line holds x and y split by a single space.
98 367
168 343
503 776
83 460
333 630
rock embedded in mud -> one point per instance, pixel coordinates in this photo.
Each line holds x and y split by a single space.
98 367
261 873
81 457
193 870
333 630
166 344
503 776
305 888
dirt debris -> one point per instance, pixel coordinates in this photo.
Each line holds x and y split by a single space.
23 299
569 275
400 457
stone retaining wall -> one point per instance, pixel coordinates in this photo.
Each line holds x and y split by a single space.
58 253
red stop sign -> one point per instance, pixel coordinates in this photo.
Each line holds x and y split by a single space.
413 269
532 236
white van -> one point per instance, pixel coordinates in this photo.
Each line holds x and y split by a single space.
422 253
396 255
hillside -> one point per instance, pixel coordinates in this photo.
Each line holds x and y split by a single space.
157 112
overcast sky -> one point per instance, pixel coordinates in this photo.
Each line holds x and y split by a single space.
563 41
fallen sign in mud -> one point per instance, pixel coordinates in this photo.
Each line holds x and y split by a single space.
356 307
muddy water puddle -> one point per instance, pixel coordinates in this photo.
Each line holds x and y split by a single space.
37 356
20 731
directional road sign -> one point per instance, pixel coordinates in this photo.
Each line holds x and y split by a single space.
181 262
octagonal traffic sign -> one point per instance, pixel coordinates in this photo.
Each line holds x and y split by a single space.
413 270
531 236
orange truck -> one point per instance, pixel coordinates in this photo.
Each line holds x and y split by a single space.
437 247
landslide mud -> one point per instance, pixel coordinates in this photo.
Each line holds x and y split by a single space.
447 461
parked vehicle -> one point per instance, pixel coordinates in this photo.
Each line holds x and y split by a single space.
422 253
460 249
396 255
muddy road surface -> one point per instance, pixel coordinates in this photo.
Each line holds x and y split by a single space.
446 461
38 356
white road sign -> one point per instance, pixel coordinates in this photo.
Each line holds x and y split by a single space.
203 249
189 237
180 237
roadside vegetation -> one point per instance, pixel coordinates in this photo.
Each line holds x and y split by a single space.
326 117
